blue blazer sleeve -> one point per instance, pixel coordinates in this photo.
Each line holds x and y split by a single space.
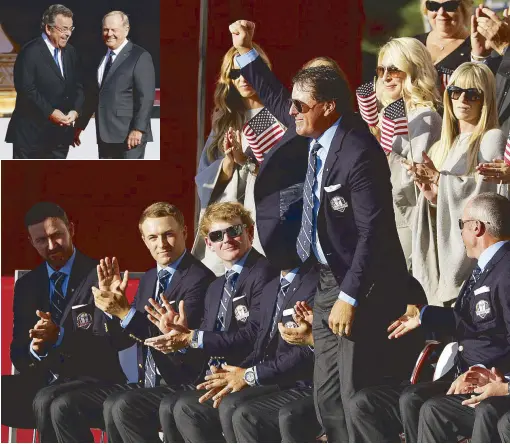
440 319
270 90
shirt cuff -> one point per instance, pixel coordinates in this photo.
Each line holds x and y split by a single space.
422 311
480 59
254 368
124 323
108 314
246 59
346 298
34 354
311 347
200 339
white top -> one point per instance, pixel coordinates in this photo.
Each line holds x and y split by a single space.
114 53
51 48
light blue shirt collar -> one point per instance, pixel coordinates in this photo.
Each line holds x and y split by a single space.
326 137
238 266
489 253
290 275
172 268
66 268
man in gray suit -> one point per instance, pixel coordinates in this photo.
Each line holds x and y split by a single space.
123 94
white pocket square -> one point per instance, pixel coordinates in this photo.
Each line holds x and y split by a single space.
288 312
483 289
332 188
238 297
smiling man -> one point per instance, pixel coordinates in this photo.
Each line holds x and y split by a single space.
47 78
123 94
347 224
178 278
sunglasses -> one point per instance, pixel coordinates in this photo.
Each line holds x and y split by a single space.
449 6
463 222
234 74
233 231
302 107
392 71
472 94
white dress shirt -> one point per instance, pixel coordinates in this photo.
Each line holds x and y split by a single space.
51 48
114 53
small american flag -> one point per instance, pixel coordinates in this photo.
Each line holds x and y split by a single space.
263 132
507 152
367 103
394 123
444 76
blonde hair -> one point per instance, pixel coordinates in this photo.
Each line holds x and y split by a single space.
161 209
412 57
225 212
228 103
465 7
123 16
467 75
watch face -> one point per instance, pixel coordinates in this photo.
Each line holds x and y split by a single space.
250 377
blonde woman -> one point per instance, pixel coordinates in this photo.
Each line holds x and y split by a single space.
405 70
227 168
448 179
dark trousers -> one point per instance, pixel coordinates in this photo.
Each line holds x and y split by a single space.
26 403
379 414
74 413
286 415
504 427
203 423
344 365
120 151
132 416
39 152
444 419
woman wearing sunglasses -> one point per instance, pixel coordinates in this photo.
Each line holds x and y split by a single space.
405 70
449 41
447 180
227 168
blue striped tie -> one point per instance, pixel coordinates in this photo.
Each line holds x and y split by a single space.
55 57
284 285
304 241
150 365
58 300
228 289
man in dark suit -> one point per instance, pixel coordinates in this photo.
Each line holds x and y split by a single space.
47 78
53 352
122 95
347 223
178 278
433 411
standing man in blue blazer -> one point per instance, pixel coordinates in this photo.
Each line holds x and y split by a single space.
347 224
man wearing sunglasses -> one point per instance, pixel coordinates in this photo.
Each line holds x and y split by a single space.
178 279
347 224
433 411
47 77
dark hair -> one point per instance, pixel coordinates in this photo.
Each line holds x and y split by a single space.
161 209
44 210
325 84
49 15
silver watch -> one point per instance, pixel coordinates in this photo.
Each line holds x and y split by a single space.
249 377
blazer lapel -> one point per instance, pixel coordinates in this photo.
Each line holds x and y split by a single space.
78 273
267 315
48 59
334 152
177 278
119 59
492 263
216 291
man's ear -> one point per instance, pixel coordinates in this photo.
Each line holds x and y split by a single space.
329 107
71 229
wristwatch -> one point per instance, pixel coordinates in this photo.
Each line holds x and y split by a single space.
194 339
250 165
249 377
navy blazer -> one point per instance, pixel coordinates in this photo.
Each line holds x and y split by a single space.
189 283
482 329
40 90
243 315
356 221
277 361
84 351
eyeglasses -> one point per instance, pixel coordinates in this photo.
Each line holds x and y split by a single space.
463 222
472 94
449 6
392 71
59 29
233 231
234 74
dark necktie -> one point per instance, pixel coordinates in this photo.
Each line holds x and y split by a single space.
55 57
150 365
304 241
284 286
58 300
228 290
107 67
475 275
